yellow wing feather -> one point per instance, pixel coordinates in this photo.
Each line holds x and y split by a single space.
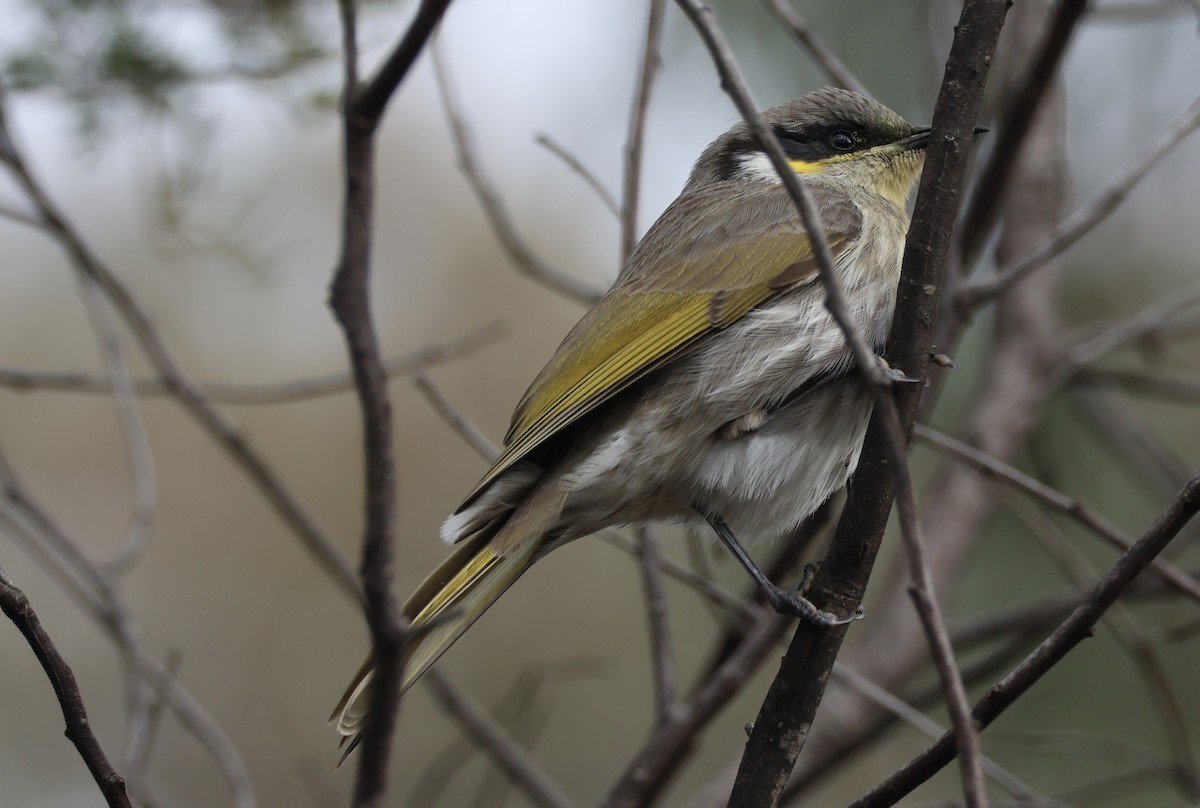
659 310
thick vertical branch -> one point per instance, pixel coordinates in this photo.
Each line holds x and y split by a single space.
783 722
350 298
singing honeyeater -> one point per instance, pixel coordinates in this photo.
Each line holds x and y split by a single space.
710 384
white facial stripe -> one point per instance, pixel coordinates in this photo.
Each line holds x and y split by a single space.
757 166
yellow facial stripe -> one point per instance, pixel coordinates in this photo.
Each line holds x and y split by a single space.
819 166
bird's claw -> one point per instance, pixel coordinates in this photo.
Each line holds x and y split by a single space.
796 605
895 375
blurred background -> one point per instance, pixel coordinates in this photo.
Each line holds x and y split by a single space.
196 148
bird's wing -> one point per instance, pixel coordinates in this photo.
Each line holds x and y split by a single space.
712 257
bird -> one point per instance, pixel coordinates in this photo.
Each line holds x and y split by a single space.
709 387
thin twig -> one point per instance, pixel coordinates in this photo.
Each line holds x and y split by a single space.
1018 118
1129 635
662 658
1147 322
1143 383
651 64
463 426
133 431
506 233
916 719
17 608
1076 628
818 50
1086 218
496 743
304 389
1081 512
222 432
645 775
572 162
95 592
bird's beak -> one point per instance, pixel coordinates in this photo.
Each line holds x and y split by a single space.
919 139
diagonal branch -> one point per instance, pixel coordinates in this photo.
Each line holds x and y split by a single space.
16 606
1018 118
821 54
1072 631
1086 218
218 427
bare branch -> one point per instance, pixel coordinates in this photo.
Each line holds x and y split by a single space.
305 389
1129 635
1151 320
497 216
458 422
1086 218
910 715
650 65
645 775
573 163
363 106
1076 628
129 418
219 429
16 606
821 54
1170 574
1144 383
1018 116
95 592
662 659
496 743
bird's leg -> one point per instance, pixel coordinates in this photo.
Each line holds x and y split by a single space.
781 600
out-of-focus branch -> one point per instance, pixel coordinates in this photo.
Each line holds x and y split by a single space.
1130 636
1086 218
254 394
496 743
363 105
129 419
572 162
648 70
1150 322
1017 117
662 658
95 591
916 719
647 773
817 49
1082 513
17 608
219 429
497 215
1076 628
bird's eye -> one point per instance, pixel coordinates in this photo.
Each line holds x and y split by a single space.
841 141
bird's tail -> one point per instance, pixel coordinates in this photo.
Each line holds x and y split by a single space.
452 598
